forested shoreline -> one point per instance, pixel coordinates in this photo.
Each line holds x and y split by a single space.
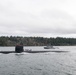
36 41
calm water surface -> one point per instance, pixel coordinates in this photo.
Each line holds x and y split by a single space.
51 63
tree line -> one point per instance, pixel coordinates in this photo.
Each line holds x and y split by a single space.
36 41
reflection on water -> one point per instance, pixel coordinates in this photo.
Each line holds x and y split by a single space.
40 63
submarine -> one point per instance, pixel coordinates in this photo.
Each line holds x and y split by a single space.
20 49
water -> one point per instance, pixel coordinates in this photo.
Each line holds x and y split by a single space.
51 63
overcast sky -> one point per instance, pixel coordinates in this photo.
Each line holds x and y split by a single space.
44 18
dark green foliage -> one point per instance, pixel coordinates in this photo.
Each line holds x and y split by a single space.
35 41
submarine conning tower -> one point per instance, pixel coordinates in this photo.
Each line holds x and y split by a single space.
19 48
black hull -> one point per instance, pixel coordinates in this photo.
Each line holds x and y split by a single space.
6 52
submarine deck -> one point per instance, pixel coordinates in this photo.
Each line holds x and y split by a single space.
6 52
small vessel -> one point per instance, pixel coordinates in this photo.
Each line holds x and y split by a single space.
49 47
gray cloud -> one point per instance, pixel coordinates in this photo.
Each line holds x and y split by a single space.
37 18
56 14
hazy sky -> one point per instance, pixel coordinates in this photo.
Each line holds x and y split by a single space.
45 18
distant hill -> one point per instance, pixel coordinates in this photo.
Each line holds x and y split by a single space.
36 41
